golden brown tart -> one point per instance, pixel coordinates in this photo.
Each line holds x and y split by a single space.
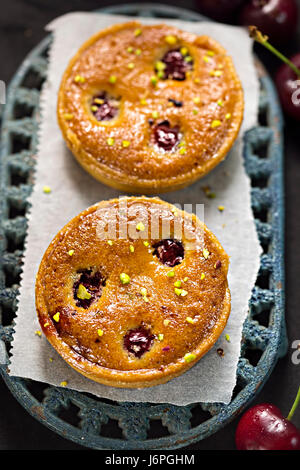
141 307
149 109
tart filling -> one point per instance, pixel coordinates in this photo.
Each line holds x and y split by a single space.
134 310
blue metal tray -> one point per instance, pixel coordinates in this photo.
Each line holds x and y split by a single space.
103 424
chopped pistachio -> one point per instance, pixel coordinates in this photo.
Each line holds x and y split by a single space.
46 324
124 278
47 189
79 79
220 103
125 143
56 317
155 114
140 227
137 32
153 80
190 320
227 337
215 123
110 141
143 291
130 65
197 80
207 59
71 252
189 357
185 279
68 116
159 65
146 243
51 359
202 276
64 383
138 52
38 333
171 40
205 253
221 208
166 322
110 242
94 108
228 116
177 283
197 100
160 337
195 111
98 101
112 79
131 249
100 332
143 101
171 274
210 53
180 292
82 293
130 49
188 58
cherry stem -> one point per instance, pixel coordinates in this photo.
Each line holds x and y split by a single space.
294 407
262 39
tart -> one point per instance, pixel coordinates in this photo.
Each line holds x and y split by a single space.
138 308
149 109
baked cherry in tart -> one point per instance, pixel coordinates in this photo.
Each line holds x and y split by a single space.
149 109
135 310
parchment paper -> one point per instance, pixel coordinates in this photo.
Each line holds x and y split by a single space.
214 377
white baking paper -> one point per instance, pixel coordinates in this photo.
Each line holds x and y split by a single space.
214 377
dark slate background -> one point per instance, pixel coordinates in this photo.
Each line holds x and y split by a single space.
21 28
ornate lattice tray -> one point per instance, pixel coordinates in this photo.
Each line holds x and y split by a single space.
100 423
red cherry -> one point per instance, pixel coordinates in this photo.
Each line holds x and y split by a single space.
264 428
275 18
288 87
222 10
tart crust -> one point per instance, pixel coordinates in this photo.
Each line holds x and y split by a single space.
211 93
91 338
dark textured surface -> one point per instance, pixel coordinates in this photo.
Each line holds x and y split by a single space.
283 383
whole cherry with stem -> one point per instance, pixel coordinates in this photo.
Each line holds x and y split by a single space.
263 427
287 78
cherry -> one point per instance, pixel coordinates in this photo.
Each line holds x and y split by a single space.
169 252
287 78
166 137
93 283
138 341
222 10
263 427
176 65
276 18
289 89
